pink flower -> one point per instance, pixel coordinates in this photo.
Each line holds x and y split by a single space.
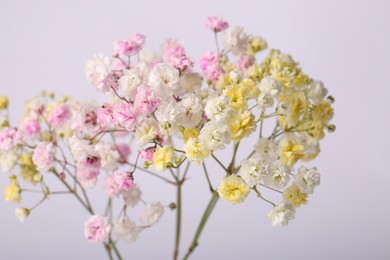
183 63
172 47
99 73
30 127
104 115
117 182
129 47
244 62
209 64
124 152
97 229
87 172
145 100
8 138
216 24
147 154
43 156
59 115
124 115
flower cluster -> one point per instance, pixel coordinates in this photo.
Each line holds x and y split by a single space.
175 115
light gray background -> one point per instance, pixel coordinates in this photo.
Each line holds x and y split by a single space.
45 45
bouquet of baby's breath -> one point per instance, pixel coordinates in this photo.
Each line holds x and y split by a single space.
173 117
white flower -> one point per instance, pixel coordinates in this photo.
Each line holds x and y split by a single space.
266 149
132 197
81 149
317 90
43 156
188 112
164 78
265 101
190 82
86 117
281 214
148 57
270 86
108 155
307 179
126 230
130 81
147 131
235 40
151 213
8 160
98 72
218 108
22 213
214 135
252 170
278 175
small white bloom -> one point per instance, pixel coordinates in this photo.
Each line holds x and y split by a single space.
218 108
132 197
98 72
278 175
271 86
190 82
130 81
235 40
22 213
188 111
317 90
108 155
126 230
81 149
265 101
149 57
147 131
8 160
214 135
252 170
307 179
266 149
281 214
151 213
164 78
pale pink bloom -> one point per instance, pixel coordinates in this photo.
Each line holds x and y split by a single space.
209 64
216 24
145 100
172 47
183 62
105 115
87 172
124 115
99 73
59 115
138 39
85 119
147 154
8 138
97 229
151 213
118 182
118 66
124 152
43 156
129 47
244 62
30 127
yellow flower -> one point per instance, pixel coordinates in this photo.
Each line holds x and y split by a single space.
233 189
190 132
12 192
28 170
237 96
162 158
3 102
250 88
290 152
323 111
196 151
294 195
241 124
255 45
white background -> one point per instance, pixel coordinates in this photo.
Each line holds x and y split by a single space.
45 44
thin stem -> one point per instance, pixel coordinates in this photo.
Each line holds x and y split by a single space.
151 173
185 170
260 196
207 177
261 124
113 245
108 250
216 42
178 220
219 162
270 188
202 223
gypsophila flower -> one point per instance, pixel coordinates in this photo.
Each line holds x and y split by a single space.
43 156
281 214
152 213
126 230
233 189
8 138
235 40
252 170
97 229
22 214
118 182
307 179
217 24
132 197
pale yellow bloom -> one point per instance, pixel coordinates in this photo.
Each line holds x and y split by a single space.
250 88
233 189
28 168
12 192
256 44
190 133
163 157
22 213
294 195
3 102
237 96
290 152
196 151
241 124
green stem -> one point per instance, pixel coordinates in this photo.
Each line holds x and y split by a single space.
207 177
178 221
202 223
260 196
219 162
116 251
